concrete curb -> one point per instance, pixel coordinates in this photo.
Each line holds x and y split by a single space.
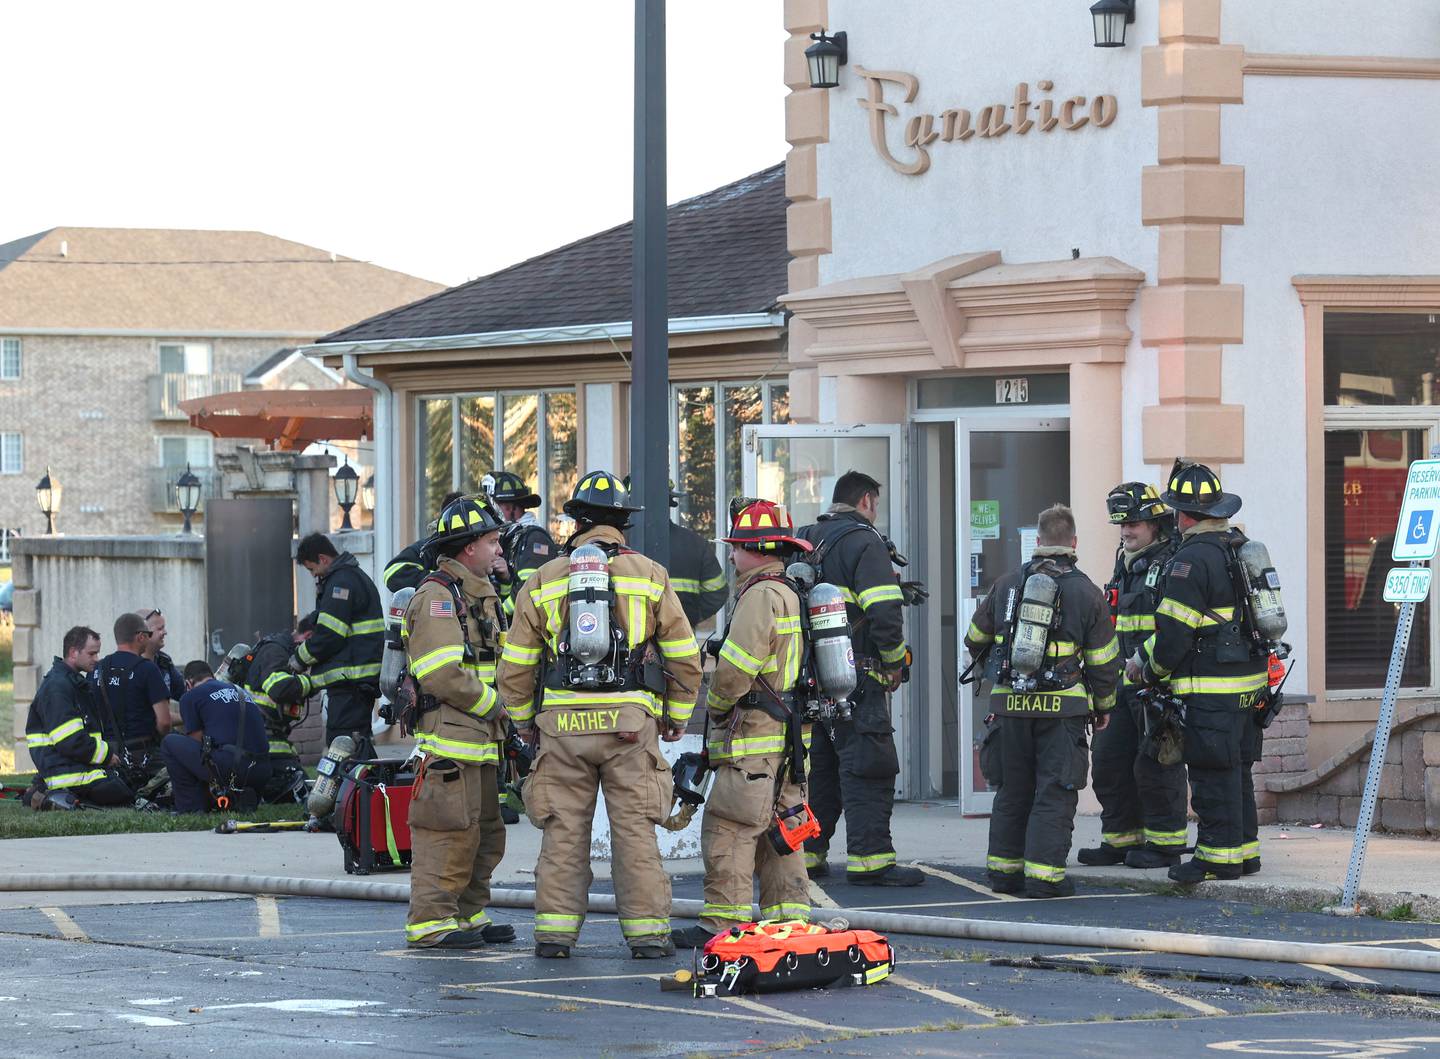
1288 897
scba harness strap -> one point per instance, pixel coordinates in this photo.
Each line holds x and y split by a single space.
781 706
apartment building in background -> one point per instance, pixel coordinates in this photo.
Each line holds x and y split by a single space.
104 331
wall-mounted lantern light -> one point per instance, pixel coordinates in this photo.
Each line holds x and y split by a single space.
825 57
1111 17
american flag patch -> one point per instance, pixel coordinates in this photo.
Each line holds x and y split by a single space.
540 548
341 593
442 608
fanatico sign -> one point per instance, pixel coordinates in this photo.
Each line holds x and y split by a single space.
955 124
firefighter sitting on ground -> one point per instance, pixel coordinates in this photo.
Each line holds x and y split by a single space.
603 701
282 697
751 734
1053 675
452 633
73 754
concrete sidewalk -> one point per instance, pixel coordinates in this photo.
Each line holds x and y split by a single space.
1302 867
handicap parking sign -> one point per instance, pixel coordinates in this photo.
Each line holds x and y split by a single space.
1418 531
1415 536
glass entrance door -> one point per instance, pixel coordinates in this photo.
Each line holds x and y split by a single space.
798 466
1008 471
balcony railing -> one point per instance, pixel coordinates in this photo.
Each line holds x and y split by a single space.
162 487
168 390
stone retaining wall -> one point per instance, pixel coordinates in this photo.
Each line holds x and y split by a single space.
1330 793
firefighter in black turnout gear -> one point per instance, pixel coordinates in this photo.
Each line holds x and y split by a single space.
415 560
342 656
282 697
853 764
1204 650
1142 802
695 573
526 545
1055 666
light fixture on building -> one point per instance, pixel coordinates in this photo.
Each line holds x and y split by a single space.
47 494
1111 17
187 496
825 57
367 493
347 484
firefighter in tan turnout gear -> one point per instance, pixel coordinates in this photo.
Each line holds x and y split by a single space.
452 634
752 736
600 634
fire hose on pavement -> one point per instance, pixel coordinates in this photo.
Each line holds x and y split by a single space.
1217 947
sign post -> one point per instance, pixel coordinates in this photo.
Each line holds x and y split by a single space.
1416 535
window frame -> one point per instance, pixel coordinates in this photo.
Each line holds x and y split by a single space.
185 350
189 440
19 358
19 437
1341 418
718 387
499 396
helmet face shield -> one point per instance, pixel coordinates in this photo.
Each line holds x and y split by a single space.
1134 502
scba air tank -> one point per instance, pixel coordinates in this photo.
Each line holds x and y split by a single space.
1266 607
1032 624
830 642
589 605
392 662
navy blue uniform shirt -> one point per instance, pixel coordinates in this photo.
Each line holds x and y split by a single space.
215 707
132 685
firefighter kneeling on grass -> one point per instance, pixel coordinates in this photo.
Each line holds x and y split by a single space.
754 740
602 634
451 637
1055 665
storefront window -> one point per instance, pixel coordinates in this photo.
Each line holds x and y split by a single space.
1380 414
437 460
708 459
1381 358
464 437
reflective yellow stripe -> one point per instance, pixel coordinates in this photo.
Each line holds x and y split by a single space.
549 591
303 653
395 568
637 586
1120 839
787 623
894 654
1219 685
1167 838
361 628
740 913
685 584
485 703
737 748
333 623
520 656
714 584
678 711
1044 872
682 648
1004 865
1221 854
974 635
342 673
560 698
787 910
458 750
437 659
743 660
1250 850
874 862
1135 623
73 779
643 928
70 727
102 751
553 923
417 931
877 974
880 594
1100 655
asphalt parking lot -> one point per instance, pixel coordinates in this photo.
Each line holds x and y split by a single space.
248 976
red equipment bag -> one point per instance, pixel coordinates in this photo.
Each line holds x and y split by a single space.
372 816
775 955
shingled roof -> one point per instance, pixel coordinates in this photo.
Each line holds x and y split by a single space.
179 280
727 255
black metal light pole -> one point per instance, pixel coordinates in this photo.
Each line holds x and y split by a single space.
650 344
187 496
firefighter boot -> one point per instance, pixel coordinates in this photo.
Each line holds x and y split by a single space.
462 939
691 937
1003 883
1041 888
548 951
1149 857
1103 855
654 950
1197 871
895 875
1250 866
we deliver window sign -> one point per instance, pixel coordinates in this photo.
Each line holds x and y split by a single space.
1042 113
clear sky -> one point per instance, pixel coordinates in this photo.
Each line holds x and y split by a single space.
442 138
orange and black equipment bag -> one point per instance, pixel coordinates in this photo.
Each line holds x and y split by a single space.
776 955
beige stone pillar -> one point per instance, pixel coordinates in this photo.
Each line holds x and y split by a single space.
1096 465
869 399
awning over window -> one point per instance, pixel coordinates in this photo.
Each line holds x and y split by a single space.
287 419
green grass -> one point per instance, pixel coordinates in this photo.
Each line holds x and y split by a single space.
1401 913
17 821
